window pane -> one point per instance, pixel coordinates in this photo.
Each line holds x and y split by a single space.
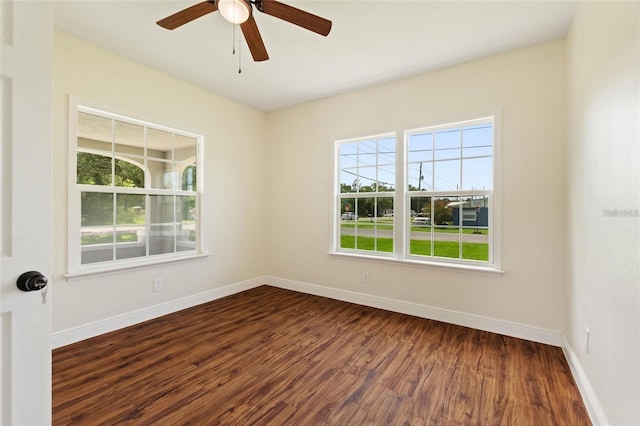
478 140
348 208
159 144
366 223
420 176
477 173
475 231
162 175
347 222
162 224
96 209
365 208
130 209
368 165
447 144
479 135
186 223
446 242
387 151
184 148
96 231
443 210
348 155
474 212
367 153
131 242
93 169
367 179
420 226
131 221
446 233
421 205
420 147
94 131
97 252
420 241
129 172
129 138
348 181
188 178
447 175
386 178
475 244
384 224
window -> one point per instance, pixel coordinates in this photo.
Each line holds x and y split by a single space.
444 213
366 194
134 196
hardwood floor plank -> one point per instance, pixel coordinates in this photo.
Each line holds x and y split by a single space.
273 356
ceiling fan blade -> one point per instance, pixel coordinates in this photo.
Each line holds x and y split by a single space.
187 15
295 16
254 40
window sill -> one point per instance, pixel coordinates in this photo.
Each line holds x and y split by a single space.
488 270
114 268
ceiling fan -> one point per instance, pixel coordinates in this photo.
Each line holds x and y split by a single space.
241 12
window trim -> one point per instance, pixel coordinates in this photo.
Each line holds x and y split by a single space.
402 201
74 249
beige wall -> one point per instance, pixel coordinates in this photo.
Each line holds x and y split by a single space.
603 160
528 87
234 179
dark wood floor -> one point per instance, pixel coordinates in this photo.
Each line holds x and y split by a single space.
272 356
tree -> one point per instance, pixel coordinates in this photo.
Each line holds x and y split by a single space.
442 214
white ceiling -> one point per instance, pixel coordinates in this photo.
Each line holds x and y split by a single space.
371 42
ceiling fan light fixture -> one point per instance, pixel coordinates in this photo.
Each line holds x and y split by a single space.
234 11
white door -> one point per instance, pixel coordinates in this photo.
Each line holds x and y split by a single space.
26 68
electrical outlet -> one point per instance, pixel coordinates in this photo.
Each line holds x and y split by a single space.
157 284
365 277
587 334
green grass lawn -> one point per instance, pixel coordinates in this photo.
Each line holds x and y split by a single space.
367 243
470 251
121 237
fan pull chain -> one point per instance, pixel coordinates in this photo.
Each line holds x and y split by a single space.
234 39
239 54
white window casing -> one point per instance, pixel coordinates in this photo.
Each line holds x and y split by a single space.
135 192
449 172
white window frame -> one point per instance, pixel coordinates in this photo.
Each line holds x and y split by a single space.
402 222
75 268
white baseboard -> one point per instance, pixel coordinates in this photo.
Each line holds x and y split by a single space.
521 331
584 386
76 334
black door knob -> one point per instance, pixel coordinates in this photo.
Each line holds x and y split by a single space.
32 281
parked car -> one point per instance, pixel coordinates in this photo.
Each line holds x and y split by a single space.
348 216
421 219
